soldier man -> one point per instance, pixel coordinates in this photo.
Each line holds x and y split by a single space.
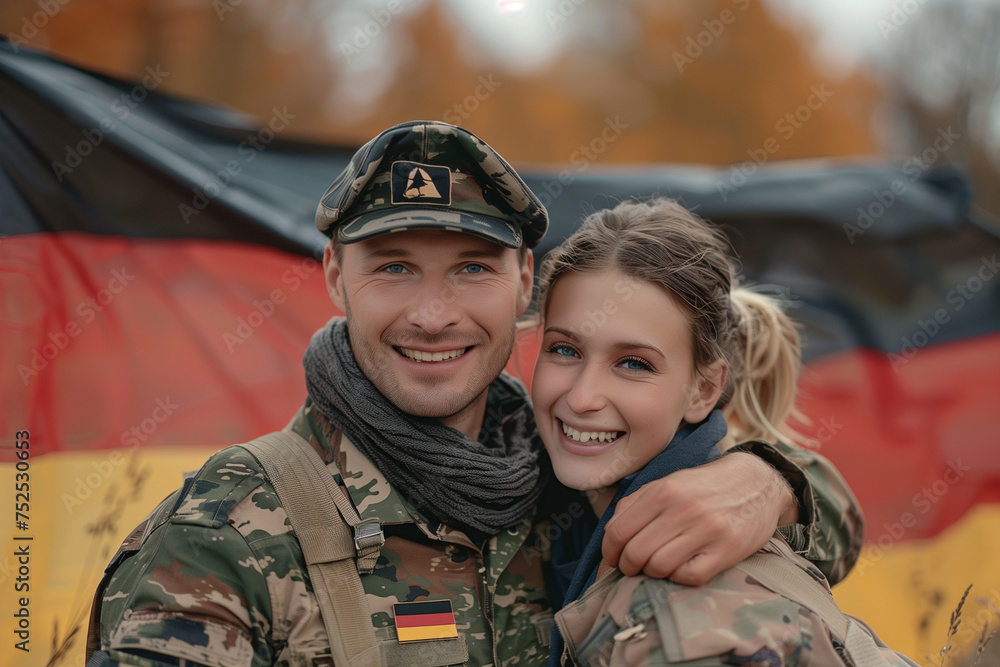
430 258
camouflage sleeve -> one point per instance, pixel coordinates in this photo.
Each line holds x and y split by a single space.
733 620
196 590
831 527
730 621
197 594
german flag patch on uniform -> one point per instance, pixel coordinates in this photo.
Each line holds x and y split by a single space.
421 621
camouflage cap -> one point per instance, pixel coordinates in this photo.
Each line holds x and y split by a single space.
428 174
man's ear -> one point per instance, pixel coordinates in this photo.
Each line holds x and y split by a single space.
527 275
706 390
332 272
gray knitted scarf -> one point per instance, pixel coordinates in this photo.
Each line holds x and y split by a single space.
485 485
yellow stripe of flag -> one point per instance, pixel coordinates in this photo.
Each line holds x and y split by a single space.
447 631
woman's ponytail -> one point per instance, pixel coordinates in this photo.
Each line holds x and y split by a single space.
766 355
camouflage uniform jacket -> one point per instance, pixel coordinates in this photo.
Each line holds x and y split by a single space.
222 580
733 620
831 528
218 578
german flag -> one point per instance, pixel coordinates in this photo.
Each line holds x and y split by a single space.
420 621
160 278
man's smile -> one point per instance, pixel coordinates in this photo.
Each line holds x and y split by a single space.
422 355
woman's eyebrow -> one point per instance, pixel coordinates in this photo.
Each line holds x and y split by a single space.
636 345
563 332
623 345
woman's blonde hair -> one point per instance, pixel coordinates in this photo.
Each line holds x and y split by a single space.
661 242
763 401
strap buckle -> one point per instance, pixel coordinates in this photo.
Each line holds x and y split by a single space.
368 534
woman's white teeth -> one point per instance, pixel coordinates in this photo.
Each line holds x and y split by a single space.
420 355
587 436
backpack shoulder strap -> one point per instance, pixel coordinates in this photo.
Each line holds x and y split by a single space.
336 543
774 568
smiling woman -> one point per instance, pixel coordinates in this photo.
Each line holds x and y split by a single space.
633 395
609 401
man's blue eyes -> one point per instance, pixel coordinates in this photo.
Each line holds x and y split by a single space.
471 268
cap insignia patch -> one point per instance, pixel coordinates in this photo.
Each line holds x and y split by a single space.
414 183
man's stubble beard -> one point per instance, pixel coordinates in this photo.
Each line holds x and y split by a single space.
384 380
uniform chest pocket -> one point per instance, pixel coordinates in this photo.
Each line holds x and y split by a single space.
433 653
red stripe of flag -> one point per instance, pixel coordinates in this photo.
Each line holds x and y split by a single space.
420 620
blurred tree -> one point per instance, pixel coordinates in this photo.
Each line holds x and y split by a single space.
638 81
941 70
711 81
